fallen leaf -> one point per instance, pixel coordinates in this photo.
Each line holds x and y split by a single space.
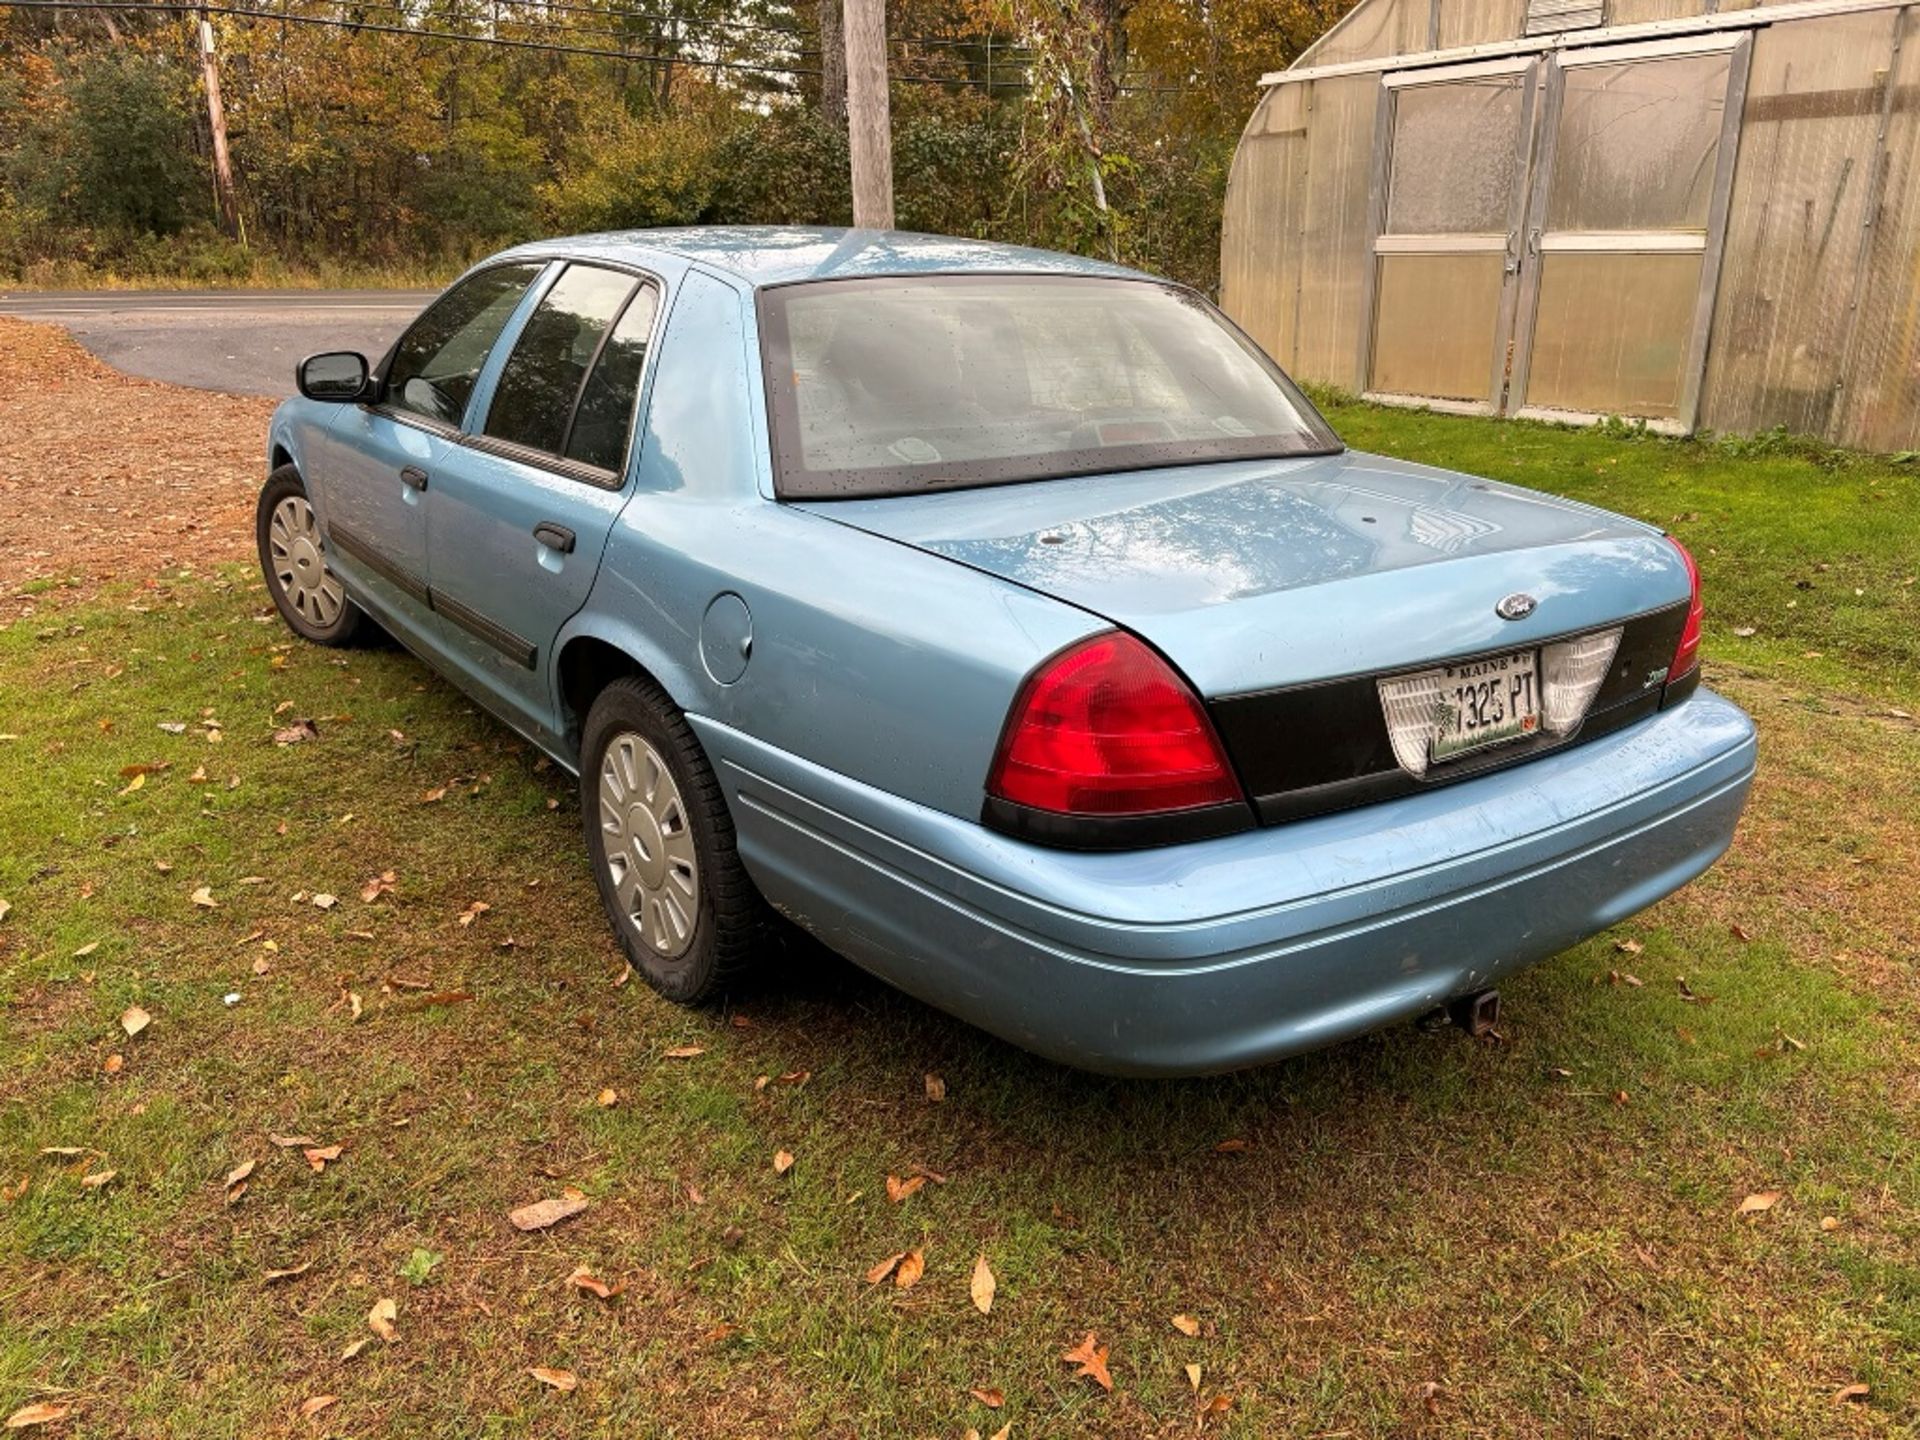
1619 1097
114 1064
309 1408
380 1320
291 1272
886 1267
291 1142
898 1189
1829 1223
296 733
626 974
239 1173
991 1398
1740 932
685 1052
1759 1202
433 796
1851 1392
139 779
1187 1325
782 1161
982 1286
203 897
97 1179
582 1279
443 997
353 1004
6 908
607 1098
324 901
907 1274
1091 1360
42 1414
1430 1396
796 1077
936 1088
1744 632
318 1156
64 1150
562 1380
1628 947
1003 1432
381 884
262 965
1230 1147
543 1213
473 912
1218 1405
355 1348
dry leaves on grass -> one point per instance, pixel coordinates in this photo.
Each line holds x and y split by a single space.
584 1279
544 1213
905 1266
562 1380
989 1396
321 1156
1851 1392
203 897
97 1179
782 1161
1001 1434
134 1020
898 1189
607 1098
936 1088
1759 1202
1090 1359
684 1052
44 1413
289 1273
983 1286
1187 1325
1193 1377
381 1317
473 912
381 884
310 1408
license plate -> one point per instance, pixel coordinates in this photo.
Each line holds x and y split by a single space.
1485 702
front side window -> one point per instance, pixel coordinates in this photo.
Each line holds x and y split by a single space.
896 385
434 367
560 370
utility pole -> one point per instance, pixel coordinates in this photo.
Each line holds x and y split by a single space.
833 66
217 123
869 127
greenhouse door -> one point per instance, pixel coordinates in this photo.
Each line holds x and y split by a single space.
1450 194
1623 230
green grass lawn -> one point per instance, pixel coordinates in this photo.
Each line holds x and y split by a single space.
1423 1234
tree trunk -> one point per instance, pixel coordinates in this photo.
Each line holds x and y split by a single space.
833 66
228 202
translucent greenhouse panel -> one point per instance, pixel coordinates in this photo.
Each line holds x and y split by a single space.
1612 332
1373 28
1880 400
1260 232
1434 334
1474 22
1799 199
1637 145
1632 12
1333 261
1454 160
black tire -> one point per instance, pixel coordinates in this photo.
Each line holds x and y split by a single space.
729 919
349 624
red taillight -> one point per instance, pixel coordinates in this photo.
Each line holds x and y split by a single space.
1686 654
1108 728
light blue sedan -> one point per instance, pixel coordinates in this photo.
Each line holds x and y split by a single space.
1011 623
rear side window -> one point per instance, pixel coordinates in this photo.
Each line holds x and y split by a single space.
568 387
436 363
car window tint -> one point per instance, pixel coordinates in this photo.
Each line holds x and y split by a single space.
534 400
436 363
604 417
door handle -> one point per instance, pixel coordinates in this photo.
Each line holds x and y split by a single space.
554 537
413 477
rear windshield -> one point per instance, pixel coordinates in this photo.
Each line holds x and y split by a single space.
896 385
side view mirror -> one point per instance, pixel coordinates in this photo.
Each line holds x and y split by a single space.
335 375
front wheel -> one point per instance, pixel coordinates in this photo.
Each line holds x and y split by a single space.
308 595
662 846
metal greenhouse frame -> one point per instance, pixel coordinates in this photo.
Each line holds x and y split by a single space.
1577 208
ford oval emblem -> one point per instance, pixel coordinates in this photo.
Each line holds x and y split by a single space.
1516 606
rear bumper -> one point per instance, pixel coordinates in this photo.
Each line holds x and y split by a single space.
1235 951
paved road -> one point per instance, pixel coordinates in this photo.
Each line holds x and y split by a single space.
242 341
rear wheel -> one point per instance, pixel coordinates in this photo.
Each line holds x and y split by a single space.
662 846
308 595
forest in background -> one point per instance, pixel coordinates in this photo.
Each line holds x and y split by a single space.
410 137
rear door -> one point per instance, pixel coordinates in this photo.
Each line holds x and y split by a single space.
520 509
377 462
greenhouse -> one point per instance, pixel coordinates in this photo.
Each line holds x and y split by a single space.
1693 215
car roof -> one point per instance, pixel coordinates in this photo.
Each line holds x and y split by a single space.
761 255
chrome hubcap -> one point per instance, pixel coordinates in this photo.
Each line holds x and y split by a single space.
299 565
649 848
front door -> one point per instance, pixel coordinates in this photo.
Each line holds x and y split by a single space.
1624 232
522 506
1450 194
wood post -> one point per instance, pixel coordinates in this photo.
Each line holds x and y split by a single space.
869 127
223 191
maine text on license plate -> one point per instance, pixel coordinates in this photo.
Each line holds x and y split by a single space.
1485 702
